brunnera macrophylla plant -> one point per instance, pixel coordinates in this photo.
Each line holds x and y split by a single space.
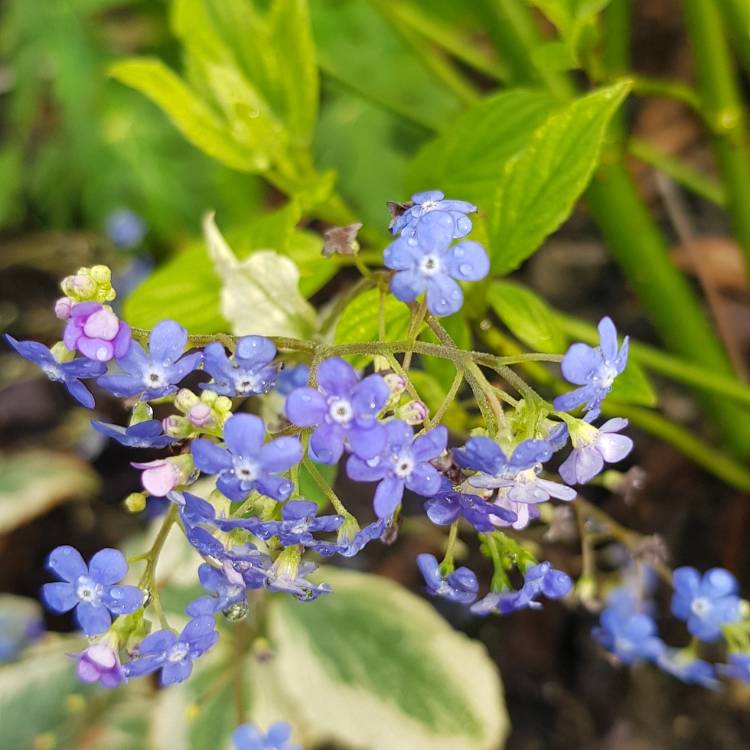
255 531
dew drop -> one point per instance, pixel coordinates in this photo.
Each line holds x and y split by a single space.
464 269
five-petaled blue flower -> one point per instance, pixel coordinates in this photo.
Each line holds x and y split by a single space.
594 370
738 667
425 203
539 580
91 589
68 373
705 602
278 737
403 463
460 586
448 505
427 262
343 408
685 666
249 371
351 539
299 521
592 448
171 653
157 373
147 434
246 464
627 632
225 585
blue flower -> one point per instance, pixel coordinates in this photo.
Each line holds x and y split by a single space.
298 523
351 539
68 373
433 200
248 371
278 737
403 463
173 654
252 564
343 408
705 603
592 448
540 579
125 228
155 374
738 667
449 505
594 370
288 576
246 464
683 665
627 632
460 586
91 589
516 478
147 434
427 262
225 585
292 377
20 623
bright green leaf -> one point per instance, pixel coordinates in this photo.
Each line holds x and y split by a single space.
537 189
527 317
634 387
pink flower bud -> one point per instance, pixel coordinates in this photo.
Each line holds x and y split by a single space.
200 415
100 663
63 307
159 477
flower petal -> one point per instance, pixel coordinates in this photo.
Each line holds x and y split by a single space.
209 457
67 563
388 497
176 671
431 444
430 570
608 339
254 351
108 566
327 444
402 255
367 442
305 407
336 377
444 295
365 471
435 231
281 454
369 397
124 600
94 619
167 341
59 596
467 261
424 480
408 285
243 434
580 364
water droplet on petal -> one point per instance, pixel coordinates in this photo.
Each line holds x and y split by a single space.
464 269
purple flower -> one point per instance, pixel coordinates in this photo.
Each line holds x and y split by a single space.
226 587
173 654
705 602
147 434
298 524
592 448
155 374
427 262
460 586
517 478
594 370
252 564
90 589
292 377
449 505
100 663
125 228
683 665
278 737
246 464
403 463
342 408
627 632
433 200
248 371
540 579
738 667
96 332
68 373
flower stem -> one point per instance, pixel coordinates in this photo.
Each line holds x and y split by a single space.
325 488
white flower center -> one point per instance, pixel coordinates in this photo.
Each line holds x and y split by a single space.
246 470
340 411
88 590
245 382
700 606
605 375
52 372
155 377
430 265
178 652
403 465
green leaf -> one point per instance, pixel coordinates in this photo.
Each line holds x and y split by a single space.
260 294
465 161
32 483
527 316
634 387
538 188
196 121
308 487
384 671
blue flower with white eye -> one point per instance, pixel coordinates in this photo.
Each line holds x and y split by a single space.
448 505
91 589
433 200
69 374
705 602
154 374
428 263
539 580
738 667
299 521
278 737
626 631
246 464
592 448
684 665
172 654
249 371
460 586
404 463
516 477
226 588
594 369
147 434
342 409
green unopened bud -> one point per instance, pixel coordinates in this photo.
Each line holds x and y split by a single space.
135 502
413 412
381 363
176 426
208 396
61 352
185 400
90 285
101 275
223 405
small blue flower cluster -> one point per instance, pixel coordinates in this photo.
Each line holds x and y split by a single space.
710 607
